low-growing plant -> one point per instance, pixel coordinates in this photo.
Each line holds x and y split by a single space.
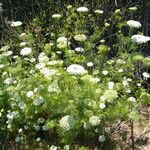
62 83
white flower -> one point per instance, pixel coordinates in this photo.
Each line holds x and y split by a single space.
8 53
8 81
99 11
120 70
32 59
103 98
40 65
94 120
48 72
20 130
16 56
43 58
38 101
67 122
17 139
69 6
75 69
23 43
66 147
22 35
129 79
38 139
89 64
107 129
94 79
105 72
111 85
56 16
82 9
102 138
102 105
140 38
11 116
32 71
29 94
146 75
80 37
79 49
131 99
37 128
45 128
128 91
26 127
16 23
62 39
55 62
134 24
22 105
125 83
40 120
133 8
26 51
63 45
5 48
53 88
53 147
138 84
120 61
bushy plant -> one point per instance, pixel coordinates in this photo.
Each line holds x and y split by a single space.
62 83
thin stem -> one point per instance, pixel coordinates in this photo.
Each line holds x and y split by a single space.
132 135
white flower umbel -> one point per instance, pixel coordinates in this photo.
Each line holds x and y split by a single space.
94 120
40 65
38 139
131 99
62 42
67 122
8 81
76 69
22 105
120 70
2 66
38 101
146 75
23 44
53 147
140 38
26 51
8 53
56 16
79 49
105 72
17 139
134 24
16 23
99 11
80 37
48 72
62 39
89 64
53 88
102 138
102 105
111 85
29 94
22 35
82 9
43 58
